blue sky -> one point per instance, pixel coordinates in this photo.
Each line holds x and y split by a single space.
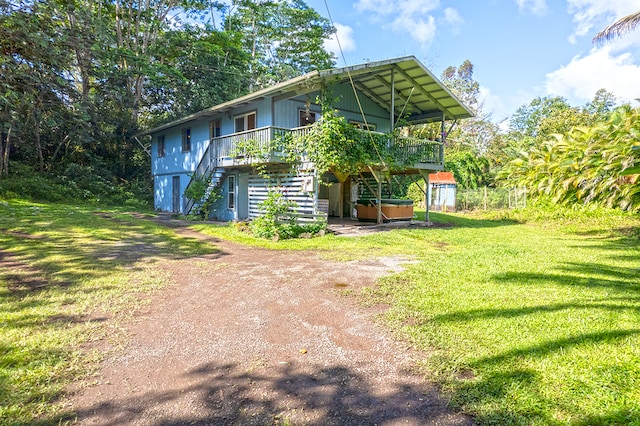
520 48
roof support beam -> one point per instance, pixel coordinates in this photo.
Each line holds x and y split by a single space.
421 89
428 117
398 93
375 98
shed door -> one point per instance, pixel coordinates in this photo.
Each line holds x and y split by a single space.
176 194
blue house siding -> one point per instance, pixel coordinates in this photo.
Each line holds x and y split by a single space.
286 112
220 210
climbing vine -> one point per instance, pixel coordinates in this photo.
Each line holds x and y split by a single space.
202 195
333 144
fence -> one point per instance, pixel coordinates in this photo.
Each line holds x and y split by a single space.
491 198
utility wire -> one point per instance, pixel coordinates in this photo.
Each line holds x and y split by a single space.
353 86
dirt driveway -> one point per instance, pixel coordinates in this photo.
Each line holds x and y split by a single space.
255 337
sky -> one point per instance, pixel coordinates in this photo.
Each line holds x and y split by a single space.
520 49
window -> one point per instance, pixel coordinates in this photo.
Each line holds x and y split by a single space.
307 118
161 151
231 204
360 125
215 129
245 122
186 140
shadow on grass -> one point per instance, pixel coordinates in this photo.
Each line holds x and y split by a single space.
501 376
608 303
226 394
55 264
460 221
573 274
50 251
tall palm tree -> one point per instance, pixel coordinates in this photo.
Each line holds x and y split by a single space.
619 28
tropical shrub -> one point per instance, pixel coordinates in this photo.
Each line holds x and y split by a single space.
278 220
202 195
594 164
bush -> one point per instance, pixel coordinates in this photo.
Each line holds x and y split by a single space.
75 184
202 195
278 221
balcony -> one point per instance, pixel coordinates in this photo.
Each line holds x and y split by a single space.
225 151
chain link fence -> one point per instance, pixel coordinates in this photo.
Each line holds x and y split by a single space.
491 198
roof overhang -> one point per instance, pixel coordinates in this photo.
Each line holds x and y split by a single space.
404 82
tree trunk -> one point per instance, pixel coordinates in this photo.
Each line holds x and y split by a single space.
2 142
4 168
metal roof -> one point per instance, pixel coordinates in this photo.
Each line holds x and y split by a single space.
417 92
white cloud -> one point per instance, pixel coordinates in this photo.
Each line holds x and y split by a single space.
422 30
345 36
579 80
590 16
489 102
452 16
414 17
537 7
381 7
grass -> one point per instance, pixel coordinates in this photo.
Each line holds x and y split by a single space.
64 271
524 317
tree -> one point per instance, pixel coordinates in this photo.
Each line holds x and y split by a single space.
470 140
197 68
284 37
619 28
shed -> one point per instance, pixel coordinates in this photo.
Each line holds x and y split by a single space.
442 191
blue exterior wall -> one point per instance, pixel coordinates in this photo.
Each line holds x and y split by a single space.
220 210
178 163
175 162
284 113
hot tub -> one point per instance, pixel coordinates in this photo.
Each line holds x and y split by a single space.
392 209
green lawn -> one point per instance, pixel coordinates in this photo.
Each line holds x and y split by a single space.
65 270
524 319
531 323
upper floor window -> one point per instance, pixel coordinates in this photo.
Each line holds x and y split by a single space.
245 121
307 117
161 150
215 129
186 140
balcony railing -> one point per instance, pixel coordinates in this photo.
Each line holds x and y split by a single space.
226 150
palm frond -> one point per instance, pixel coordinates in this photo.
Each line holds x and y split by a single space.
619 28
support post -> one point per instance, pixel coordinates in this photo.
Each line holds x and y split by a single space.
378 175
392 113
379 204
427 201
443 137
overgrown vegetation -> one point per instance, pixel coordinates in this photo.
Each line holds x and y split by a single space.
203 195
79 184
595 164
278 220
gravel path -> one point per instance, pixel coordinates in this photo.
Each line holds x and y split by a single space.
255 337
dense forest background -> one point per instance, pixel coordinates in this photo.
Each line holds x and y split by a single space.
80 78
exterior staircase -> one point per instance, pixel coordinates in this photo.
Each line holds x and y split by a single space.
206 167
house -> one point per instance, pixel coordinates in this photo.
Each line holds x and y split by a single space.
442 191
373 97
